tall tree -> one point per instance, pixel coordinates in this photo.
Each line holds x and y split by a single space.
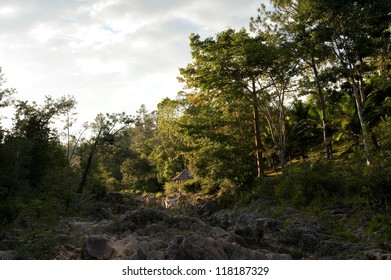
33 124
356 32
105 129
227 68
292 24
5 99
5 93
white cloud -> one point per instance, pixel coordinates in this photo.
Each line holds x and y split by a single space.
100 6
6 10
92 36
113 55
43 33
95 66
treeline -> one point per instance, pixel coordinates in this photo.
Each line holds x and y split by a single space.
310 81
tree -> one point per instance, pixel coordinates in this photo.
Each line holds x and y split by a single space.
5 93
227 68
293 24
106 128
5 98
280 77
302 131
356 32
33 127
139 167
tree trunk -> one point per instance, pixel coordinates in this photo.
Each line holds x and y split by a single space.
86 171
88 165
326 142
357 98
258 144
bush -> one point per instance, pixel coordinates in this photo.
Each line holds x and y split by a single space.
306 183
378 176
383 133
300 185
39 243
192 186
8 212
380 229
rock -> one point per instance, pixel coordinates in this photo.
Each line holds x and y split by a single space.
144 216
378 254
8 255
235 252
125 247
234 238
223 219
196 247
67 252
276 256
173 246
187 223
218 233
97 247
155 230
249 233
64 239
209 207
300 238
151 250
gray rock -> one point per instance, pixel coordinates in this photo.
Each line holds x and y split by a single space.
218 233
151 250
173 246
8 255
236 252
97 247
196 247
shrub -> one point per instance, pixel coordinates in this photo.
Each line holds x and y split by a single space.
305 183
192 186
383 133
39 243
379 227
378 176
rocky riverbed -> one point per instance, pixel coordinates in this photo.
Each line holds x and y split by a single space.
123 228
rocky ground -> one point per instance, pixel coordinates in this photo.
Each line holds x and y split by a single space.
123 228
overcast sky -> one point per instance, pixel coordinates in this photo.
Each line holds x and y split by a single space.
111 55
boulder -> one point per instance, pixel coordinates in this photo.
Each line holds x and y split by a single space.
151 250
196 247
97 247
236 252
8 255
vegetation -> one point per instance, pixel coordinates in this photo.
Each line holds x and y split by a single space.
295 112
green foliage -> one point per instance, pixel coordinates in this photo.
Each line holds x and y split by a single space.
380 228
319 183
378 176
38 244
337 227
383 133
192 185
8 212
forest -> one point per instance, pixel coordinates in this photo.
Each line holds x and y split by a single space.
293 113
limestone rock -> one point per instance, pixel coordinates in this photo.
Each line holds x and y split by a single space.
97 247
196 247
8 255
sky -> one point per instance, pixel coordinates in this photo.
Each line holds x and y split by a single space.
111 55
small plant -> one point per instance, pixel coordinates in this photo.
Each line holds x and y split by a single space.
380 228
192 186
39 244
